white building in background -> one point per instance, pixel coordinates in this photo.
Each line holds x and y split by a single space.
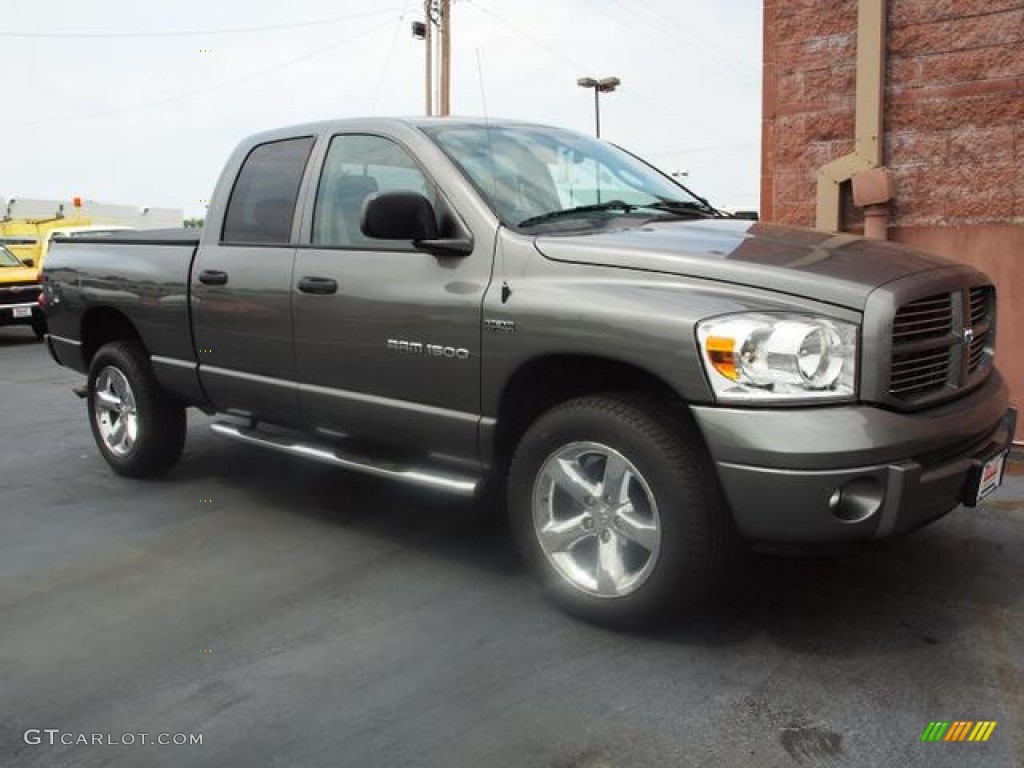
134 216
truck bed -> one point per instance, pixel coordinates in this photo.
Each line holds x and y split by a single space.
138 277
174 236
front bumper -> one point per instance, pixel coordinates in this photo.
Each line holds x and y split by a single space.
847 473
15 314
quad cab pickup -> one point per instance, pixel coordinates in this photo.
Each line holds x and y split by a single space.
19 293
444 302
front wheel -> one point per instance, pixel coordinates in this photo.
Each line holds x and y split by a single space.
615 505
139 430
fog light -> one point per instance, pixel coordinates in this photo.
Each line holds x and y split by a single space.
857 500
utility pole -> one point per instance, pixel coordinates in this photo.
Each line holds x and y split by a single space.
446 58
436 13
428 47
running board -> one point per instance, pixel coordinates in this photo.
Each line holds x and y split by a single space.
462 485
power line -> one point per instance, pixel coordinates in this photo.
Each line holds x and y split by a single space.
631 16
749 70
199 32
387 58
713 148
626 93
201 91
522 33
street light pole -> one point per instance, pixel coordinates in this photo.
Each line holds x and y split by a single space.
604 85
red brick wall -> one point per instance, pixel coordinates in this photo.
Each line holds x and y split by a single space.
954 107
810 49
954 130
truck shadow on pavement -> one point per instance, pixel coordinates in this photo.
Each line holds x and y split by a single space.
910 593
431 522
18 336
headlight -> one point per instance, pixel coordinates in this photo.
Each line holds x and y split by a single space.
779 357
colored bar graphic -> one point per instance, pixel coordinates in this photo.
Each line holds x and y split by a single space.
958 730
983 730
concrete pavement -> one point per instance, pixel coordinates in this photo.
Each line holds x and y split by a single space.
294 615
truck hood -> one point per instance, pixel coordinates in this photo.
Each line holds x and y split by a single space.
11 275
838 269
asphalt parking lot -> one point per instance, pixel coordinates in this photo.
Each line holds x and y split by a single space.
294 615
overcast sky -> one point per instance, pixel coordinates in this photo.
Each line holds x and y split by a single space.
123 102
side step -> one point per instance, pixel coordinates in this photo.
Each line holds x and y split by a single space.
461 485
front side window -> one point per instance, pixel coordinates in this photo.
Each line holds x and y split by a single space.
356 167
262 203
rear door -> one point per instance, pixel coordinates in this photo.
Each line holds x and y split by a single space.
241 288
387 338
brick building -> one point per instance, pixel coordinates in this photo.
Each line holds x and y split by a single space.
949 90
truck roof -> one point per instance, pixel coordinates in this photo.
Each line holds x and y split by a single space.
379 123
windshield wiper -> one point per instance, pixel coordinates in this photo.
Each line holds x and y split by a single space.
682 207
611 205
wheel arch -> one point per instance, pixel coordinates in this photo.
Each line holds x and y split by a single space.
541 383
102 325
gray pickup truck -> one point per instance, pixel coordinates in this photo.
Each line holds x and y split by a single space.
453 302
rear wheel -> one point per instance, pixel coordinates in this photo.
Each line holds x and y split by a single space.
139 429
615 505
39 328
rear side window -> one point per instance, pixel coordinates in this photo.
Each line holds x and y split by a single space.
262 203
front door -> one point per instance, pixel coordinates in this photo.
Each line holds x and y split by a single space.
387 338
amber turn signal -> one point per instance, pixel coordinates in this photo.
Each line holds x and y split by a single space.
720 352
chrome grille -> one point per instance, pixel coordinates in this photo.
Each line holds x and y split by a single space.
941 343
920 339
927 318
19 293
916 373
977 354
980 304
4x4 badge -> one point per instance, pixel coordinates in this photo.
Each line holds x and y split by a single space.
501 326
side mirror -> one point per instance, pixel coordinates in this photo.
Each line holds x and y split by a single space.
29 262
409 216
398 216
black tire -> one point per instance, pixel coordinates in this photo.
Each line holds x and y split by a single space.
159 421
666 451
39 329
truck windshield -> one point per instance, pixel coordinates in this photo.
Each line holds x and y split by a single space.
531 176
8 259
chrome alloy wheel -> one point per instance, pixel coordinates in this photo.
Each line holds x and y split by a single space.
115 412
596 519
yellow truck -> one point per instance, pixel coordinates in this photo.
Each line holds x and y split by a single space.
24 243
27 227
30 239
19 293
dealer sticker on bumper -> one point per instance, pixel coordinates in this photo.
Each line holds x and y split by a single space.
991 476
